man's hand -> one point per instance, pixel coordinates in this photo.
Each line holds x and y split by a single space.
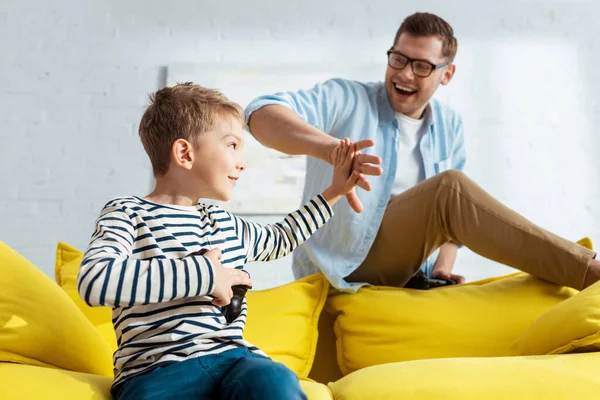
225 278
445 263
365 164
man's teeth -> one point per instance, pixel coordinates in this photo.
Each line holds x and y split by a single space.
405 89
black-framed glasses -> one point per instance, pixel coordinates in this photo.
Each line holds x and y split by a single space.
420 68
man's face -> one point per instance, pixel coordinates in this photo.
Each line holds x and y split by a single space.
407 93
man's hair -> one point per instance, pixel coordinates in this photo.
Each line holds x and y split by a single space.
183 111
426 24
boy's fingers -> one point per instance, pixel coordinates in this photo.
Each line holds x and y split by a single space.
216 252
350 154
346 150
353 178
221 302
240 278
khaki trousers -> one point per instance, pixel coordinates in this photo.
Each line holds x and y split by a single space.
451 207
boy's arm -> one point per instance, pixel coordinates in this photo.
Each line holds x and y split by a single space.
278 240
269 242
109 276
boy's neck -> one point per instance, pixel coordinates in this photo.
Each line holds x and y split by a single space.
169 191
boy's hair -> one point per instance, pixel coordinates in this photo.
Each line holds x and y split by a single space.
183 111
426 24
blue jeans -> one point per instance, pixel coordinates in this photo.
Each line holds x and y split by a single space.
233 374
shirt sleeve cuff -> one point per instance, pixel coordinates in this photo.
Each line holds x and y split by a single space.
324 205
259 103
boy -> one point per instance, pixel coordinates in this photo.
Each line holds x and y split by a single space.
144 258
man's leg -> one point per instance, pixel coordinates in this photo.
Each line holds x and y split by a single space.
450 206
256 377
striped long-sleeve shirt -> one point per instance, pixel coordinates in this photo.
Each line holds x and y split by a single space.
138 262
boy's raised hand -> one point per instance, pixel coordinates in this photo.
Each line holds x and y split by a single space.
344 178
224 279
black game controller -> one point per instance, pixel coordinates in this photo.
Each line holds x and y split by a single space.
422 282
234 308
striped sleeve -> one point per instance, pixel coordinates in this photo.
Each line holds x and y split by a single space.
269 242
109 276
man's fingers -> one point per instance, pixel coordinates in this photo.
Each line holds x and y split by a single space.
363 144
363 183
440 275
368 169
367 159
354 201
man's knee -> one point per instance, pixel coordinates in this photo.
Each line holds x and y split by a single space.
453 176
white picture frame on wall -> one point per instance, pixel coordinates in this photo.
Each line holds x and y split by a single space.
273 181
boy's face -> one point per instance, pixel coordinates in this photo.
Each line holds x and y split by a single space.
407 93
218 159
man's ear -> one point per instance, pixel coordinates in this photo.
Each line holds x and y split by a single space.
182 154
448 74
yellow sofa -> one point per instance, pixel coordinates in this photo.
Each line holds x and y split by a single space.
511 337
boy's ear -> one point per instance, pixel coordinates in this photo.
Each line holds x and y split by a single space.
182 154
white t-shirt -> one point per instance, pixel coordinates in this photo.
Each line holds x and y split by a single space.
410 169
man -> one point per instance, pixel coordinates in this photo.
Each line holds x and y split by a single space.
420 202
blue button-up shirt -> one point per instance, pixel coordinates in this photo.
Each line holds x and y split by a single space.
357 110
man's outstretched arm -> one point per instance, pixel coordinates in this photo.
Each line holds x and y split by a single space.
297 122
280 128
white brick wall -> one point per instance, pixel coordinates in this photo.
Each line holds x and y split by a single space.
75 75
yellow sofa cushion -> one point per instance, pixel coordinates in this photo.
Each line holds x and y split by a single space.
281 321
315 391
66 268
39 325
24 382
556 377
570 326
481 319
